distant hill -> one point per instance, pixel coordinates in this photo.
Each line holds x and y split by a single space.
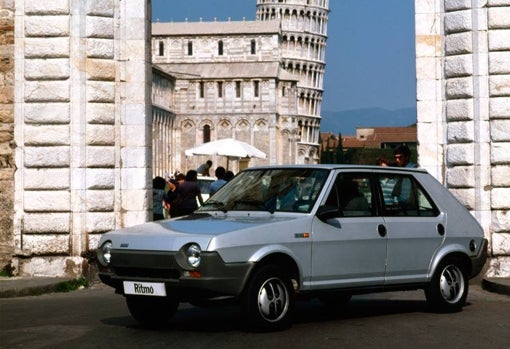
345 122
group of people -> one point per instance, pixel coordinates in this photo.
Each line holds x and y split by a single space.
175 197
178 196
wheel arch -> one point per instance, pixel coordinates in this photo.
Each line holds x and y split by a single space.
283 261
457 254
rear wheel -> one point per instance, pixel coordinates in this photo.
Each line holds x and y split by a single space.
268 300
152 312
448 289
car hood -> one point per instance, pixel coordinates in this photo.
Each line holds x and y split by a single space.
171 235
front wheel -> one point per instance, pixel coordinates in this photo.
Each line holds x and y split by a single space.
268 300
448 289
153 312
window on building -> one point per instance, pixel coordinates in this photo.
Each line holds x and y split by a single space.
220 89
190 48
220 48
283 91
161 48
201 88
207 133
238 89
253 47
256 85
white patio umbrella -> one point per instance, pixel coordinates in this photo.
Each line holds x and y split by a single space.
229 147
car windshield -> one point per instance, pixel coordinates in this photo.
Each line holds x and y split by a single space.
272 190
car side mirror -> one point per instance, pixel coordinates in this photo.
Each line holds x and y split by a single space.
325 212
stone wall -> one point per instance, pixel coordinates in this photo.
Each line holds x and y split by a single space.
82 128
463 96
6 130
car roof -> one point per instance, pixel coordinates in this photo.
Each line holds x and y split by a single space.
339 167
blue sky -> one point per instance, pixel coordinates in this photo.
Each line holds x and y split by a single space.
369 54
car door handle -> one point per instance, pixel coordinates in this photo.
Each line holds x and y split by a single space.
382 230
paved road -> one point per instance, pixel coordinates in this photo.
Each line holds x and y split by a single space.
97 318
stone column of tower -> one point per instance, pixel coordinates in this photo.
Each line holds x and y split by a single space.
303 48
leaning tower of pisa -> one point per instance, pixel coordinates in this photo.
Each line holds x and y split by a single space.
304 34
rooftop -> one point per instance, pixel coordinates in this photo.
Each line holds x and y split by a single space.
215 28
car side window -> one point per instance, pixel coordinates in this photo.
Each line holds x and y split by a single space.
403 196
352 195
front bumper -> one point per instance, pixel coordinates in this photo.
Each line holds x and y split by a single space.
215 278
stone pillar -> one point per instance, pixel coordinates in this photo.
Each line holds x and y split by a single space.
82 128
429 89
498 24
463 77
6 131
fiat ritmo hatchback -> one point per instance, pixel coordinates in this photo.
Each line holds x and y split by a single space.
276 233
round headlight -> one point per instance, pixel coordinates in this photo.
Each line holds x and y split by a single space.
193 255
106 252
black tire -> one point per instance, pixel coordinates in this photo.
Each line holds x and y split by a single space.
449 286
268 300
153 312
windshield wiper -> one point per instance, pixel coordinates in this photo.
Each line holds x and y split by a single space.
253 203
216 204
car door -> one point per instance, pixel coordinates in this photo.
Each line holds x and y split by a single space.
415 228
349 246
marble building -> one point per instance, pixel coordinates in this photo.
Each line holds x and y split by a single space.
257 81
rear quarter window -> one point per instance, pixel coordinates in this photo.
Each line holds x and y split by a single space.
403 195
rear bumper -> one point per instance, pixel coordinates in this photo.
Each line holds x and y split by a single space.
478 261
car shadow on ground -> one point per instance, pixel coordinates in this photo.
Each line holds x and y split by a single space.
228 318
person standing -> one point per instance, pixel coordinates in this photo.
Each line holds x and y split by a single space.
228 176
384 162
403 192
217 184
158 193
403 156
170 201
188 193
387 182
204 168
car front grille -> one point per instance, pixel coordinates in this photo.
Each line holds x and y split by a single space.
145 264
147 273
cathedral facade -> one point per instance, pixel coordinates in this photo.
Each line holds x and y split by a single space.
256 81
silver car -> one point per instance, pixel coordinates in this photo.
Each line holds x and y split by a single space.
276 233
